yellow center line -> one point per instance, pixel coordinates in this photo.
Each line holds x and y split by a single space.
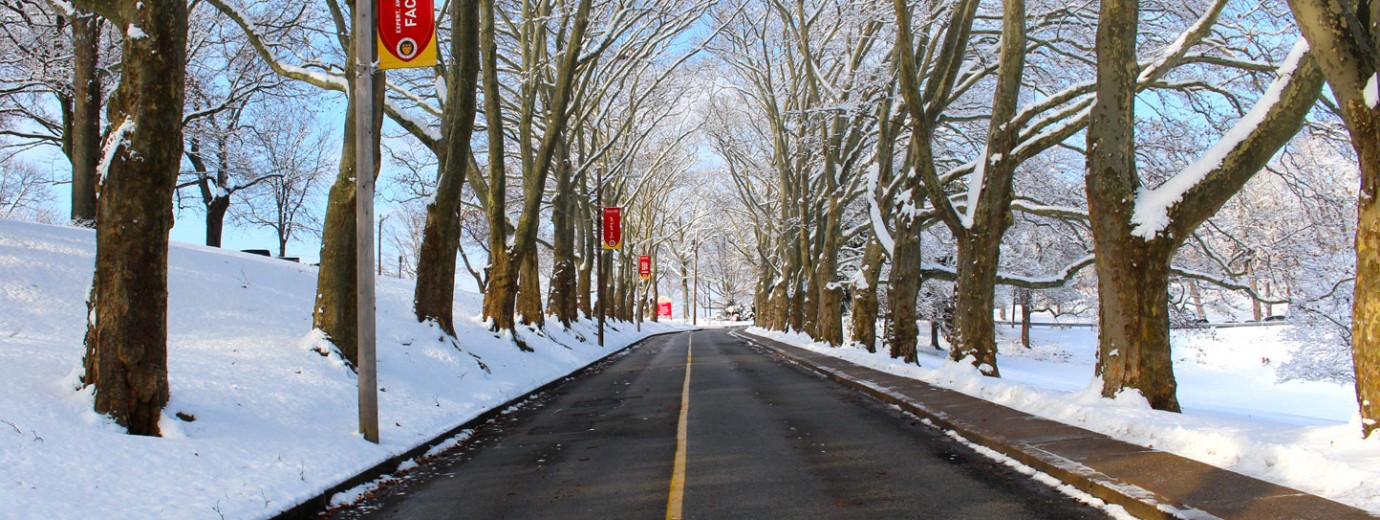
674 501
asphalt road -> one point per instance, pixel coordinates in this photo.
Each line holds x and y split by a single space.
761 439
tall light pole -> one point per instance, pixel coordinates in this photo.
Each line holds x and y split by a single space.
382 218
364 215
599 220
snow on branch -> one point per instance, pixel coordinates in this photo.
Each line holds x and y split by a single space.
1151 215
1060 212
879 228
943 272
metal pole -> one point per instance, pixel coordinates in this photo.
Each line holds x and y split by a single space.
380 239
364 217
599 217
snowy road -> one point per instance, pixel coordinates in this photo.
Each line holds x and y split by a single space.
760 439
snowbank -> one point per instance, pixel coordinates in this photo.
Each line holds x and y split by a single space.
267 422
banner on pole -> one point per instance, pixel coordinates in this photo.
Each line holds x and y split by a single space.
613 232
644 267
407 34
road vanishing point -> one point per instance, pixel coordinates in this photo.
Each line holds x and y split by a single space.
704 425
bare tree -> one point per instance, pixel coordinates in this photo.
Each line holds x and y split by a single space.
25 193
289 152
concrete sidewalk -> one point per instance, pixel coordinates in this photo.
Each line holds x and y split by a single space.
1148 483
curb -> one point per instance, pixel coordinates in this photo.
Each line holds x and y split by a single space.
314 507
1138 501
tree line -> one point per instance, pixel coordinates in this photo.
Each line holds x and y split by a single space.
893 156
875 163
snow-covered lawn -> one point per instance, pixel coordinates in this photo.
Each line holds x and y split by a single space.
269 421
1237 415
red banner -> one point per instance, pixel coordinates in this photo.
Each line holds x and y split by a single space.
613 232
644 267
407 33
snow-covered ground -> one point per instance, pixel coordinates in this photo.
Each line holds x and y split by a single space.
271 422
1237 415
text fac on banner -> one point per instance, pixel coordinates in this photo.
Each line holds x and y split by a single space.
644 267
613 232
407 34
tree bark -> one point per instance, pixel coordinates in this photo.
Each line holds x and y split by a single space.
215 219
979 255
588 253
434 296
864 306
336 311
1025 298
904 288
126 343
685 290
564 303
828 293
85 136
529 292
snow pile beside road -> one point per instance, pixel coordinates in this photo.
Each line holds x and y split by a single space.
266 421
1237 415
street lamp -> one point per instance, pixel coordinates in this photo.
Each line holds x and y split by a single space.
382 218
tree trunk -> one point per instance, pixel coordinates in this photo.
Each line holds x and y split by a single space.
215 219
529 292
904 288
1133 279
685 291
829 294
500 296
974 329
588 252
85 136
500 299
1255 304
434 295
1365 327
1025 316
336 311
563 277
864 329
655 296
127 343
1197 298
627 289
1133 321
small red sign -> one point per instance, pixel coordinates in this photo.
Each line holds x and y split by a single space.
644 267
407 33
613 232
663 309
